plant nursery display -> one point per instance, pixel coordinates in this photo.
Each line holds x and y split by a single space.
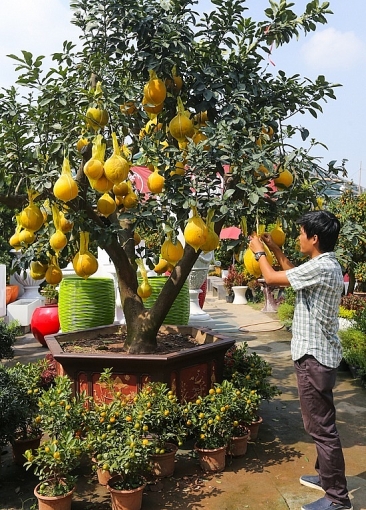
62 418
213 138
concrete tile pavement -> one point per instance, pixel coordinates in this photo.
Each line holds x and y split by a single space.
268 476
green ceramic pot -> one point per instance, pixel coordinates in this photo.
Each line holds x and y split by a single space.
86 303
178 315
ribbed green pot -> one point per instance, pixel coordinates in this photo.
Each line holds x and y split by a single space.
84 304
178 315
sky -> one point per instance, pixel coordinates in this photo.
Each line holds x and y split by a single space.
336 50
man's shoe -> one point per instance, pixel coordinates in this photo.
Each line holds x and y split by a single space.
311 481
325 504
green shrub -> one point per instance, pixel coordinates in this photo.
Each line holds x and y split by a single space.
354 347
360 320
285 312
8 334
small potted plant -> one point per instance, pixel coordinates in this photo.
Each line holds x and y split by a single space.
28 385
118 443
49 293
8 334
249 370
236 284
63 418
163 422
210 422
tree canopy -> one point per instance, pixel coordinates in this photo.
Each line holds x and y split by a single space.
219 139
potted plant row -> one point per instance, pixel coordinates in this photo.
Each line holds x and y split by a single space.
126 437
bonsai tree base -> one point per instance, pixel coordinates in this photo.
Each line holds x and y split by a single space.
189 372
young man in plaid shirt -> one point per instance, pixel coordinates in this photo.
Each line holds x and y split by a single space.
315 346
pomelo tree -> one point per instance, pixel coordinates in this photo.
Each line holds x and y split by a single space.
191 97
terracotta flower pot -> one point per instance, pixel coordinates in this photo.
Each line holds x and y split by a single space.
238 446
53 502
20 446
254 428
163 464
11 293
211 460
125 499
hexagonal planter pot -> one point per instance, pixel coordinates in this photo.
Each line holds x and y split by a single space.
189 373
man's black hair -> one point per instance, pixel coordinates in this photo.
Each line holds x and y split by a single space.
323 224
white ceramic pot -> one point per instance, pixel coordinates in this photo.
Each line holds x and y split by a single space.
239 295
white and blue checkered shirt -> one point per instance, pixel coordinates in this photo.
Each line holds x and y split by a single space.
318 284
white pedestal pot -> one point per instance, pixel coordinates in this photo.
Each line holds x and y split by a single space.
239 295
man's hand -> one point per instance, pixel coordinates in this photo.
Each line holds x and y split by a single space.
267 238
256 244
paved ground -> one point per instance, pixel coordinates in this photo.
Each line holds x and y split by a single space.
267 477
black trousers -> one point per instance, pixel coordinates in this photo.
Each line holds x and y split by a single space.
315 384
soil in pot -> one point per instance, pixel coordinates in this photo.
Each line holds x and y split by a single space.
53 502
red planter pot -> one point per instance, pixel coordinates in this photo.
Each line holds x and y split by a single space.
45 322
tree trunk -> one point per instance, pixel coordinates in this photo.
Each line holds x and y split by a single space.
143 324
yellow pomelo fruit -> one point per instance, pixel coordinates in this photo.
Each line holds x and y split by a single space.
144 290
136 238
81 143
195 232
93 168
14 241
151 108
252 265
65 188
116 169
103 185
121 189
96 118
119 200
155 182
58 241
212 241
26 236
162 266
65 224
53 274
181 127
85 264
130 200
38 270
31 218
106 205
128 108
278 235
172 252
155 91
284 179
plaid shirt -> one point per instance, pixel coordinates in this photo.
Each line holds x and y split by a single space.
318 284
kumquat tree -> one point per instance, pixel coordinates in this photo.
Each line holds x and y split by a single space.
191 97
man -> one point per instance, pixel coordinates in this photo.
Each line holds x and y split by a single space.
315 346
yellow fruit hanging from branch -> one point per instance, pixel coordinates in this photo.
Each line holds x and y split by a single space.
84 263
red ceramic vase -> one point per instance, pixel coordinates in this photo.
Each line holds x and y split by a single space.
45 322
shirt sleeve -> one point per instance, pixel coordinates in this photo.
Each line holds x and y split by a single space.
306 275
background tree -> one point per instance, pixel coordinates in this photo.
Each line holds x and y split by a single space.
230 138
351 246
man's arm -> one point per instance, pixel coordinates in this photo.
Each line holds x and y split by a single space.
271 276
